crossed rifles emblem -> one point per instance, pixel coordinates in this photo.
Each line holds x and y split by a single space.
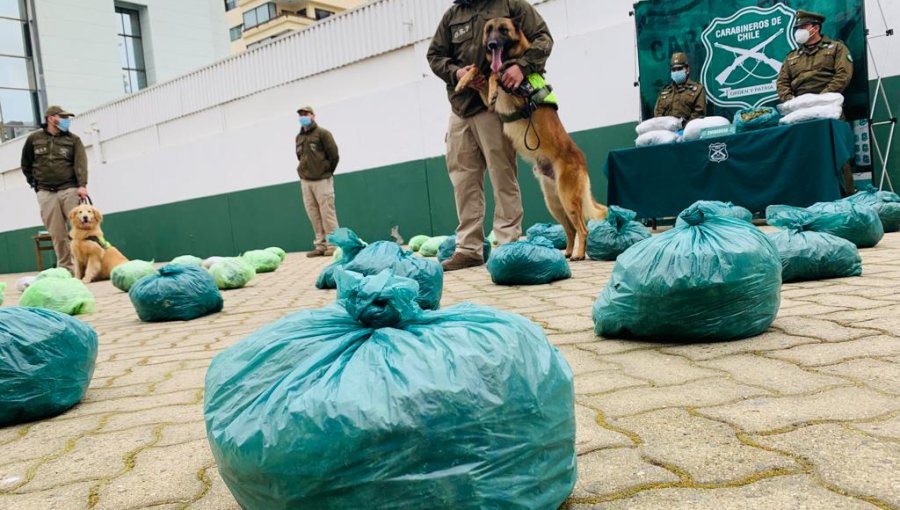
742 55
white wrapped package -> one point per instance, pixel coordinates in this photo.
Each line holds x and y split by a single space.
658 137
828 111
659 124
810 100
24 282
694 127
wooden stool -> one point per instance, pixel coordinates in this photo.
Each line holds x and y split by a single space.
39 246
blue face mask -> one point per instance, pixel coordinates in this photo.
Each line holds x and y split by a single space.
305 122
679 77
64 124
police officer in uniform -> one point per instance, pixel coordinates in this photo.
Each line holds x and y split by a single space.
683 98
818 66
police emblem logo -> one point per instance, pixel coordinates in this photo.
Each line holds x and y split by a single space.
718 152
744 55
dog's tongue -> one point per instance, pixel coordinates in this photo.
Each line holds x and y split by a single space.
496 60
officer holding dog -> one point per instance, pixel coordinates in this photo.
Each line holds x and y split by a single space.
682 98
55 166
475 139
818 66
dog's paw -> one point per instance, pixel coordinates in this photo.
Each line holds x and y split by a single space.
576 258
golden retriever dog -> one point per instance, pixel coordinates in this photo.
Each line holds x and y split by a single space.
539 137
94 257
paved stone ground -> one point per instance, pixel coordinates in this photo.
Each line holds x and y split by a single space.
806 416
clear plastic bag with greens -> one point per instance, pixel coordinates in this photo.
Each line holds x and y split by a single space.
552 231
263 261
46 363
532 262
2 292
607 239
177 293
127 274
417 241
350 244
885 203
372 403
430 247
855 222
748 119
277 251
710 278
58 291
382 255
807 254
187 260
448 248
232 273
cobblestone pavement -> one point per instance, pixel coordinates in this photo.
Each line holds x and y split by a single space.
806 416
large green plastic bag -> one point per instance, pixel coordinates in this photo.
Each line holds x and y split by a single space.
54 272
417 241
126 275
710 278
232 273
530 262
552 231
809 255
372 403
382 255
607 239
885 203
448 248
46 362
277 251
2 291
857 223
58 291
263 261
350 244
187 260
758 117
716 208
177 293
430 247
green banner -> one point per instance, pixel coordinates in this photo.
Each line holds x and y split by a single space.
736 48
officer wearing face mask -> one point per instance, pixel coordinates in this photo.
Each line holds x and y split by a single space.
683 98
55 166
818 66
317 157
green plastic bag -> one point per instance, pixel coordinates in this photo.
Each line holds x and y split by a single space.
716 208
552 231
382 255
710 278
46 363
177 293
126 275
372 403
759 117
607 239
263 261
187 260
810 255
885 203
277 251
430 247
232 273
448 248
350 245
857 223
492 238
54 272
2 292
59 292
532 262
417 241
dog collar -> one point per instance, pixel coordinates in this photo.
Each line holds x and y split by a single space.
99 240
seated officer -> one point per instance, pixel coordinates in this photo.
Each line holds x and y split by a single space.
818 66
682 98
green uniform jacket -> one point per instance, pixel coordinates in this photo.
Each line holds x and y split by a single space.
317 153
686 101
54 162
458 42
824 67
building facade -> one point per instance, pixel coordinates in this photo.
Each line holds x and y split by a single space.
90 52
252 23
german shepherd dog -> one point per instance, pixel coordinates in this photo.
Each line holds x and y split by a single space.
559 165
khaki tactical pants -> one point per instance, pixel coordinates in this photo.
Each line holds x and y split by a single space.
318 199
473 145
55 207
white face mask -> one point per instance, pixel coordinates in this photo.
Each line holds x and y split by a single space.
801 36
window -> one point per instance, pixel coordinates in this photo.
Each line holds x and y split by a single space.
230 4
259 15
131 50
322 13
19 112
235 32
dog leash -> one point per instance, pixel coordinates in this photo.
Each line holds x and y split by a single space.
85 200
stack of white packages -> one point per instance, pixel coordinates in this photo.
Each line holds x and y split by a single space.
812 107
658 131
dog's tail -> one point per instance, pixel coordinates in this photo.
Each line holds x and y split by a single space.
592 209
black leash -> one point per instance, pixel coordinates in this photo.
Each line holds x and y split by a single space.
85 200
